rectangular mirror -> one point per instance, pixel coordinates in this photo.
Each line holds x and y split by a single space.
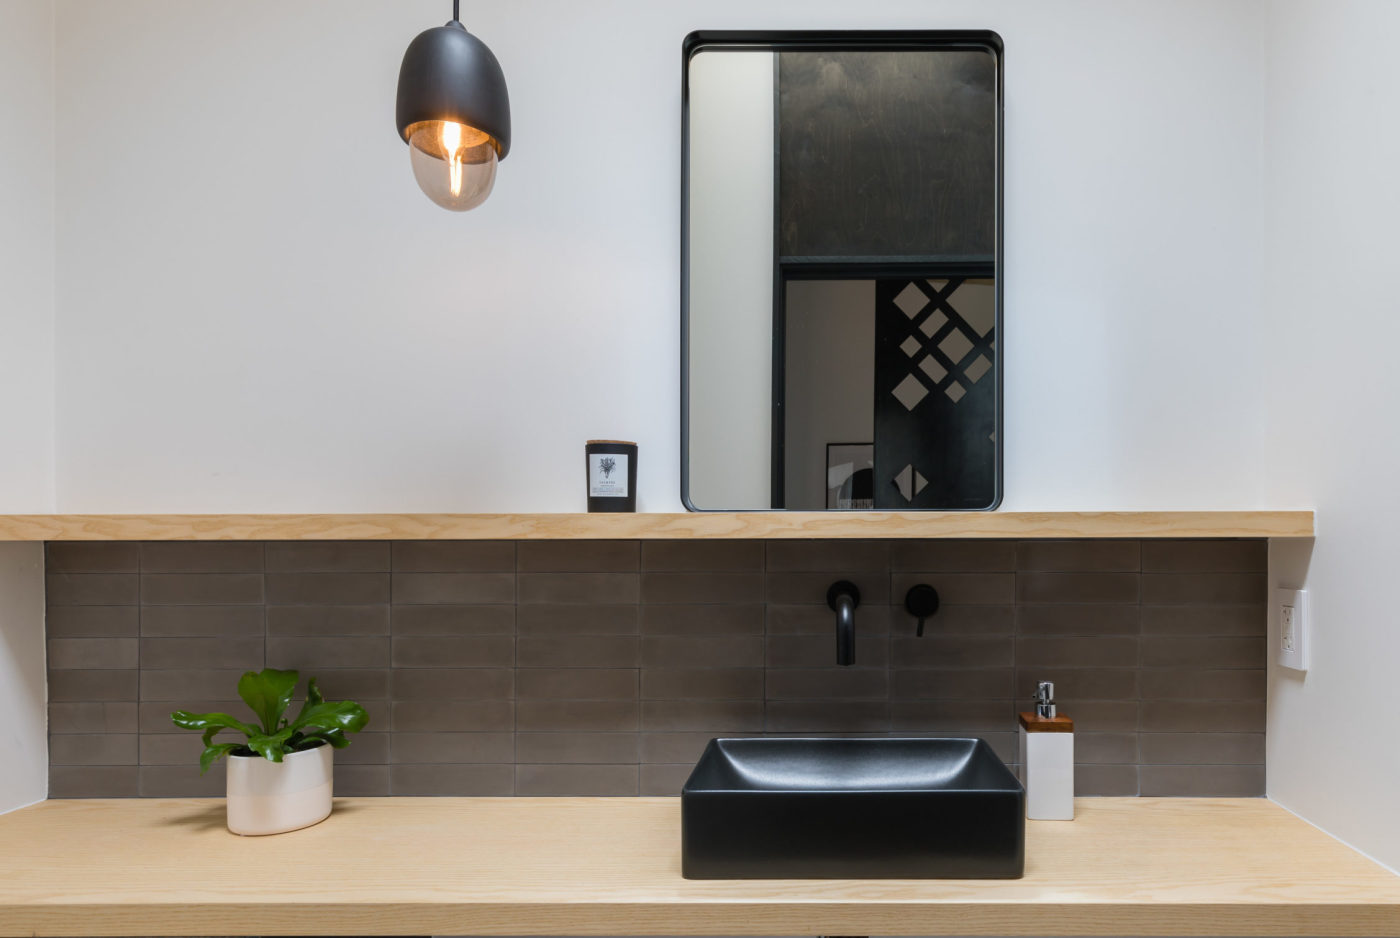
841 271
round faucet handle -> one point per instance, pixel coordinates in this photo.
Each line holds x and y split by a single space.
921 602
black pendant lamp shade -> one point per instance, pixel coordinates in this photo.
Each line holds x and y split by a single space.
454 113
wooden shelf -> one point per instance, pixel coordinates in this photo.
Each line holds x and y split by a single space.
719 525
611 866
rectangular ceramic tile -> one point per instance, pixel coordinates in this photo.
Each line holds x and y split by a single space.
327 588
93 621
92 717
680 747
594 748
1212 556
365 685
201 588
202 621
185 781
827 716
1210 781
457 781
702 651
1077 587
814 619
576 780
578 556
319 654
94 781
827 683
88 686
1079 556
577 651
93 653
811 588
702 683
1077 619
328 557
452 748
578 588
453 716
577 683
170 654
1106 748
928 715
1208 716
957 589
664 780
1202 748
576 619
362 781
579 716
202 557
93 749
709 587
1109 781
1229 619
1193 684
366 748
453 683
494 619
956 620
819 556
700 556
175 747
953 556
327 621
1096 716
956 683
1079 683
92 589
1077 652
1235 651
819 651
453 556
702 619
456 588
962 651
720 717
441 651
92 557
1212 588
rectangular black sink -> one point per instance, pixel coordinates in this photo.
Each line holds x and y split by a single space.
852 809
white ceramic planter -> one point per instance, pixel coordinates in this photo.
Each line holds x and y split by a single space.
274 797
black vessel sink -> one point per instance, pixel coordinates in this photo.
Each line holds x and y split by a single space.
852 809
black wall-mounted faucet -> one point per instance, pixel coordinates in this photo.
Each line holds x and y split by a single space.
843 598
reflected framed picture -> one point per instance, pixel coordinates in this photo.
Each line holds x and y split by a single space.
850 475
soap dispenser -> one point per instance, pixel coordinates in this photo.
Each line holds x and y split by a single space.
1047 759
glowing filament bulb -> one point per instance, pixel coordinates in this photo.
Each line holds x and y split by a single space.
452 144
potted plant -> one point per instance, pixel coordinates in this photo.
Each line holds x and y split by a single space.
279 777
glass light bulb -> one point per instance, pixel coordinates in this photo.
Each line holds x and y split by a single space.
455 164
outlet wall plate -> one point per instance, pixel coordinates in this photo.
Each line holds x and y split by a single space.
1291 644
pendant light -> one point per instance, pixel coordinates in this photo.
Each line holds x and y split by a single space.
454 114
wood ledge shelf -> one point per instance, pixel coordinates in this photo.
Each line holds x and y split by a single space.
773 525
611 866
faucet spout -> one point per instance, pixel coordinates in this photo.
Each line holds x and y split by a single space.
843 598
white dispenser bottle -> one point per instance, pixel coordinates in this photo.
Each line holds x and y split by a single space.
1047 759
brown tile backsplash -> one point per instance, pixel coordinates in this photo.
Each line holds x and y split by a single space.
603 667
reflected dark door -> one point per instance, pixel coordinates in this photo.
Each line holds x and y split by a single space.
935 393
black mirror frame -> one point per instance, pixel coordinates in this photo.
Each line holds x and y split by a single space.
815 41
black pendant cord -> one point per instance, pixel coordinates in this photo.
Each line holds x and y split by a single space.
456 11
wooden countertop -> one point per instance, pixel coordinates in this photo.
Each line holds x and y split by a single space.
648 526
611 866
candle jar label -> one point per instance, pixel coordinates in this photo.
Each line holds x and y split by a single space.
607 475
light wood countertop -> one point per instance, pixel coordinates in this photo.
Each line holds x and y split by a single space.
649 526
611 866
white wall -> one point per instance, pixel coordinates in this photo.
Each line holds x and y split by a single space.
26 256
1332 148
731 280
257 310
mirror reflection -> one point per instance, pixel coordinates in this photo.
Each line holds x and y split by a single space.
842 303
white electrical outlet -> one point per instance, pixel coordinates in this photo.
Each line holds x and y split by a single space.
1293 625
